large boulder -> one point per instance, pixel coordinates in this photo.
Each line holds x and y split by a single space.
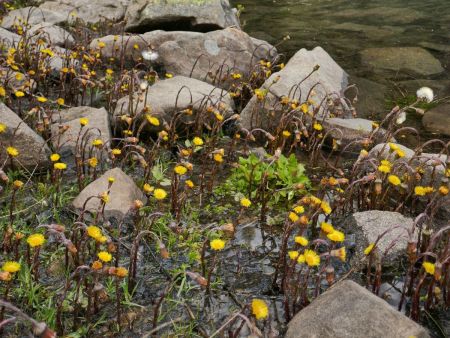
16 80
208 56
166 97
97 128
368 225
412 60
8 39
53 35
200 15
30 16
33 151
433 165
437 119
88 11
122 194
295 81
348 310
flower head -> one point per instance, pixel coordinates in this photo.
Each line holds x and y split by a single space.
104 256
35 240
152 120
301 240
11 266
394 180
311 258
217 244
159 194
197 141
369 249
245 202
60 166
326 227
84 121
260 309
180 170
94 231
54 157
336 236
13 152
293 254
149 55
429 267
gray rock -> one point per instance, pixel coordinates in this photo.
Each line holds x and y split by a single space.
429 162
348 310
368 225
33 151
8 39
332 78
348 130
437 119
16 80
214 54
51 34
371 97
98 127
31 16
168 96
86 10
412 60
122 195
199 15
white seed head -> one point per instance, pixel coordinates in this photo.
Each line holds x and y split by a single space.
149 55
425 93
143 85
401 118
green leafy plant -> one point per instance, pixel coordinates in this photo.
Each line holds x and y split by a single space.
283 176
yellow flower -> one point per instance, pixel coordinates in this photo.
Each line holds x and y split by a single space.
311 258
218 158
419 191
41 99
104 197
94 231
97 142
394 180
369 249
384 169
429 267
286 133
18 184
236 76
317 126
101 44
245 202
159 194
93 162
400 153
169 76
35 240
148 188
197 141
152 120
121 272
443 190
13 152
217 244
301 240
60 101
2 128
60 166
339 253
325 207
116 151
336 236
180 170
260 309
326 227
19 93
84 121
293 217
2 91
11 266
96 265
301 259
111 180
54 157
104 256
109 71
293 254
189 183
393 146
218 116
299 209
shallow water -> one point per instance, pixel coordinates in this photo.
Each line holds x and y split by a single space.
344 28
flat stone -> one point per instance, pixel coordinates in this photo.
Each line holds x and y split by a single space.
371 97
33 151
413 60
368 225
348 310
122 195
214 54
332 78
166 97
31 16
373 32
53 35
384 14
98 128
437 119
435 46
199 15
428 161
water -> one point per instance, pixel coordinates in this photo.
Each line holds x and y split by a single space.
344 28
